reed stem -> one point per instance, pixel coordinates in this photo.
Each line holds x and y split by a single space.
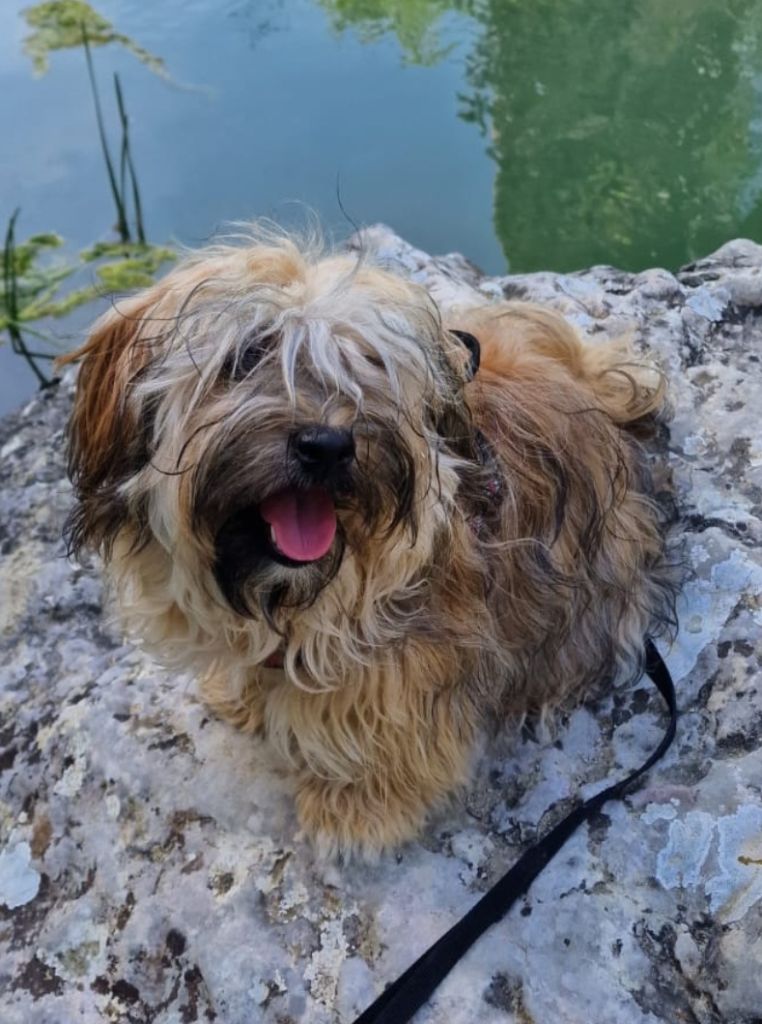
121 214
11 300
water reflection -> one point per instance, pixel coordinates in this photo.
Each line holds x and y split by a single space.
626 133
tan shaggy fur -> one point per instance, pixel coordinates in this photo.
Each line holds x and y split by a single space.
496 552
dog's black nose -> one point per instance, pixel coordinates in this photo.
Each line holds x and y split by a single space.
323 450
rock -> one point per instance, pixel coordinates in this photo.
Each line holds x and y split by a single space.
150 865
19 882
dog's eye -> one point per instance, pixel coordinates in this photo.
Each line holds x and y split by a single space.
240 363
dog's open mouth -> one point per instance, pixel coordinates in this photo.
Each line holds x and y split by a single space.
293 528
302 524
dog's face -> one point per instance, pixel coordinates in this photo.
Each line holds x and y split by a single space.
265 417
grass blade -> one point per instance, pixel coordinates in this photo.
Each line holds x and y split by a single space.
121 213
124 149
127 157
10 283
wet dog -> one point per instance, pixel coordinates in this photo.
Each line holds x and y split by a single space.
369 524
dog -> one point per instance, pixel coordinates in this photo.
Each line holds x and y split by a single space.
371 526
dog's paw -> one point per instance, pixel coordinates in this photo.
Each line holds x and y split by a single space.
244 711
349 821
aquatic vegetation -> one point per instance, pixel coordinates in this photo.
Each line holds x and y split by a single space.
128 266
36 293
58 25
28 287
126 165
36 282
19 282
32 284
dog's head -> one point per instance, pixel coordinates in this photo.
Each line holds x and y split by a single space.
265 414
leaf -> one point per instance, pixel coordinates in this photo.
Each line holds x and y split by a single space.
36 285
58 25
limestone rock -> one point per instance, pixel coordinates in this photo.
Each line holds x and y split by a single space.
150 866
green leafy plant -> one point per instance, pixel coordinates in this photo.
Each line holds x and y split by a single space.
20 282
35 285
128 265
57 25
32 284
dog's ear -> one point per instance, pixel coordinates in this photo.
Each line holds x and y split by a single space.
107 443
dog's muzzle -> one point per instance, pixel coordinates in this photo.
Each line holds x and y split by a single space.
294 526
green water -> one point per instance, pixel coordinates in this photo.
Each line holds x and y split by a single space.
539 134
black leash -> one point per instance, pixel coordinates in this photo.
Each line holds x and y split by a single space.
414 988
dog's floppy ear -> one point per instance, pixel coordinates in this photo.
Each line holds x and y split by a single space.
107 444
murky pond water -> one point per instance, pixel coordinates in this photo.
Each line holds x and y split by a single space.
533 133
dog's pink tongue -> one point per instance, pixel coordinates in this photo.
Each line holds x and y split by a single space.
303 523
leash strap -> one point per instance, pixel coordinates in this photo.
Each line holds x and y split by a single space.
400 1001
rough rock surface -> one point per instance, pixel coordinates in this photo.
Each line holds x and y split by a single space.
150 867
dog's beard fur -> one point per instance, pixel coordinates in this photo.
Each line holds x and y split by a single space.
457 587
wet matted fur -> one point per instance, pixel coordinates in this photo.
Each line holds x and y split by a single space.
300 493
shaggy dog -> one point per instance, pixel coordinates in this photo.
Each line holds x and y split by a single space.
365 549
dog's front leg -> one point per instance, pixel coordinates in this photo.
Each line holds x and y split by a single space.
238 698
379 772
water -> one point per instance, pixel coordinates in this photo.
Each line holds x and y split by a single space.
542 134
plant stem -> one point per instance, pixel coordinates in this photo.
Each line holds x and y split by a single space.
121 214
127 158
10 297
10 283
